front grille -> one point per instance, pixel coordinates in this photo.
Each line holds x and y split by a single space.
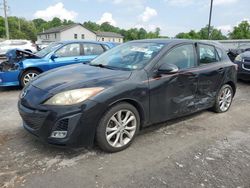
247 66
33 121
62 125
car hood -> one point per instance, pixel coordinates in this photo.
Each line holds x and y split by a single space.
78 76
246 55
16 55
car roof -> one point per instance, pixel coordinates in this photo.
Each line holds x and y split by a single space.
87 41
179 41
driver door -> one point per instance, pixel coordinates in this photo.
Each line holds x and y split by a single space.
173 95
66 55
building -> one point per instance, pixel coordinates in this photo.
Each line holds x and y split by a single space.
76 31
109 37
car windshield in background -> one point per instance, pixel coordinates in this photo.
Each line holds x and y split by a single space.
48 49
130 56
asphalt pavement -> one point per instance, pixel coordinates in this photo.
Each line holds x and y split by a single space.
202 150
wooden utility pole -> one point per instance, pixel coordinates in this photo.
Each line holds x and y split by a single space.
210 18
6 19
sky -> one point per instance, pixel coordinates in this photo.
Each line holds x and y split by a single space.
172 16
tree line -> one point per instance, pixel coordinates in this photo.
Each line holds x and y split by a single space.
20 28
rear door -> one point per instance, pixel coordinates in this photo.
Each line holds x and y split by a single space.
66 55
211 72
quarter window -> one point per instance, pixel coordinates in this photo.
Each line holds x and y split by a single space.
220 52
69 50
207 54
182 56
93 49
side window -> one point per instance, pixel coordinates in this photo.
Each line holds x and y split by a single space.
92 49
182 56
207 54
69 50
220 53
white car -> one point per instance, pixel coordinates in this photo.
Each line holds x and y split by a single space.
26 45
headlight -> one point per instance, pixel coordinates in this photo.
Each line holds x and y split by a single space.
73 96
239 58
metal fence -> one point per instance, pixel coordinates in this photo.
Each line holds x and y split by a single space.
235 44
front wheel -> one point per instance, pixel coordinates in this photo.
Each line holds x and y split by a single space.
224 99
27 76
118 128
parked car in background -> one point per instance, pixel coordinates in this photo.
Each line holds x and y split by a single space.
131 86
22 66
25 45
233 53
243 62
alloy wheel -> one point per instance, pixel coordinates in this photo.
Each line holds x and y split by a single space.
121 128
225 99
28 77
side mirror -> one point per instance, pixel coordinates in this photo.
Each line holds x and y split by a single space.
53 57
168 69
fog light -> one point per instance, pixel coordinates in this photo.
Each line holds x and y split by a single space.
59 134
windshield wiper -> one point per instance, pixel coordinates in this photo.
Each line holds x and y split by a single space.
102 66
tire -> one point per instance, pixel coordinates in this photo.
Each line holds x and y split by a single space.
104 137
223 99
25 76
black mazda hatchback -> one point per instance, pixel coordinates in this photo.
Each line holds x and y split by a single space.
133 85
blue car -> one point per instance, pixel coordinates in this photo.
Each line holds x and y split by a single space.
22 66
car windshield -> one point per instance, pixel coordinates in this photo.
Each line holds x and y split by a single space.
129 56
48 49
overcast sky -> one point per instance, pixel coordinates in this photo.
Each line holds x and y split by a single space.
172 16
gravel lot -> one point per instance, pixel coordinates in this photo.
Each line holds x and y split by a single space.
202 150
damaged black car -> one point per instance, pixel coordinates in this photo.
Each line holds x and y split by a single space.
131 86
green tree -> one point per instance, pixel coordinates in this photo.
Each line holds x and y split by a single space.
242 31
215 34
92 26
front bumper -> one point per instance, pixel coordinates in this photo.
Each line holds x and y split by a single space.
244 71
9 78
79 121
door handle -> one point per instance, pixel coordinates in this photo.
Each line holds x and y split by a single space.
220 70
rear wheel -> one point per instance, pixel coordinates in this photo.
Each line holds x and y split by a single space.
224 99
118 128
27 76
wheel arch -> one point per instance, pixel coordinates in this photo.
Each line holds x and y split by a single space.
232 84
135 104
27 69
30 68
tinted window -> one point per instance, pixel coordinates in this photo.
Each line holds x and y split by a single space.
183 57
207 54
221 53
93 49
69 50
